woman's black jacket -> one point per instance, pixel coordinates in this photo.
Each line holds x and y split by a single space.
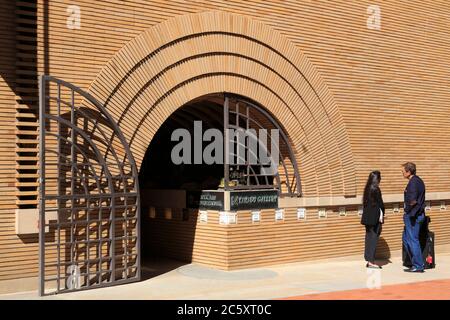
371 210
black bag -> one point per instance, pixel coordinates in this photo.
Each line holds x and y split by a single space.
428 251
426 239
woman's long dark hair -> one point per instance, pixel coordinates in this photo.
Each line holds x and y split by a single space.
372 188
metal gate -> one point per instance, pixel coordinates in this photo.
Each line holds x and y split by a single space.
88 194
242 115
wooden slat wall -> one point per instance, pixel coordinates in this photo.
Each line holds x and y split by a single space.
8 143
271 242
26 104
252 244
7 112
375 76
18 136
391 87
190 240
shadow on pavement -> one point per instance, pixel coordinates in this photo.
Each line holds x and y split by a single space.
156 266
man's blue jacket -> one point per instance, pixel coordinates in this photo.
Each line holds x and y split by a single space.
414 197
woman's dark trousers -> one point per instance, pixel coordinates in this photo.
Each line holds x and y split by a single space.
372 235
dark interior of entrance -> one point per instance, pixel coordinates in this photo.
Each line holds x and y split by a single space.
158 170
159 176
168 222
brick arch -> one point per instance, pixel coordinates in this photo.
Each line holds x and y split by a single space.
189 56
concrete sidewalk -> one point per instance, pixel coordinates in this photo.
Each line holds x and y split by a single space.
192 281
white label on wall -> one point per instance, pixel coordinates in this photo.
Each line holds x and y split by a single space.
74 19
279 214
360 210
322 213
232 217
428 206
342 211
203 216
443 207
227 217
301 213
374 18
256 216
396 208
223 218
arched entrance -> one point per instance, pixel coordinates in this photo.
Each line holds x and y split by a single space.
171 191
190 56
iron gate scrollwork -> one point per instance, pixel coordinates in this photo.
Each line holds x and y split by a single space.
242 115
88 194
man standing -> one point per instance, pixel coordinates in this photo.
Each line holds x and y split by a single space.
414 216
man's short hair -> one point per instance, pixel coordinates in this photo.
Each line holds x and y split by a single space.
410 167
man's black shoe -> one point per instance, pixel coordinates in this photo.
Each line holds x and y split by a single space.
415 270
407 265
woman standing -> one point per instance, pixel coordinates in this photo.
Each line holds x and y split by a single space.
372 217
